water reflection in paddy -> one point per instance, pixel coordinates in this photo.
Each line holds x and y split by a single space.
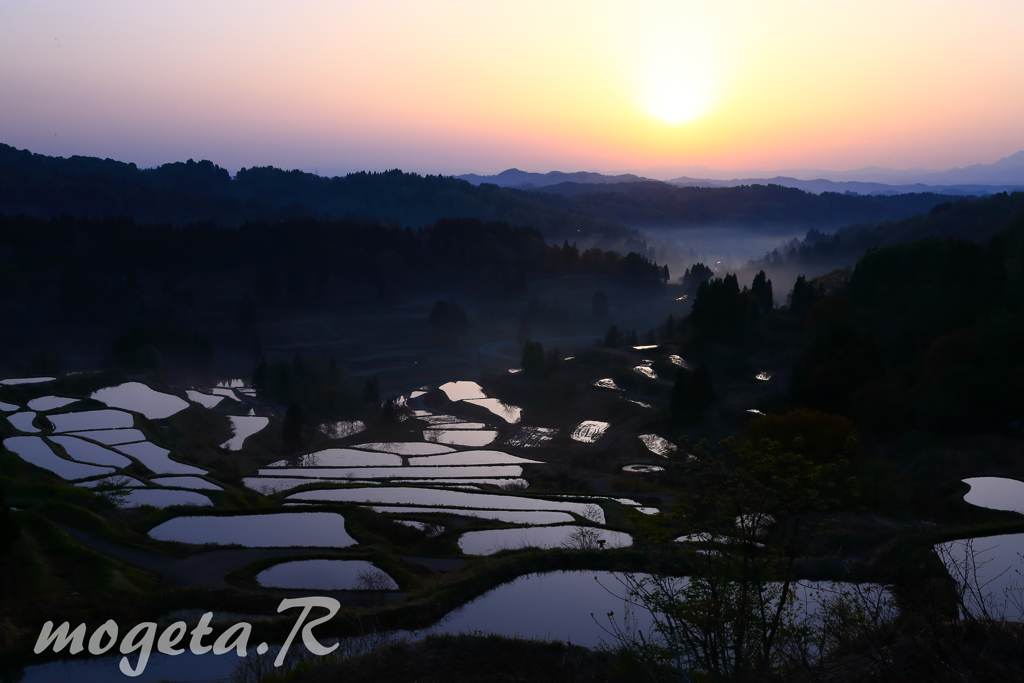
570 536
657 445
342 457
509 413
459 391
389 472
276 530
11 381
996 493
187 483
83 451
112 437
161 498
405 447
472 458
242 428
328 575
91 419
531 437
589 431
469 437
34 450
140 398
7 407
342 428
44 403
205 400
23 422
642 469
395 495
532 517
155 458
992 569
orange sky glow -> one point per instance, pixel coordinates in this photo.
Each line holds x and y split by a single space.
454 86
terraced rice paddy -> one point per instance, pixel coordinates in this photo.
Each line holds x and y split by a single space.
274 530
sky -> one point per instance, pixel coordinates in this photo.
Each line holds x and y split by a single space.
459 86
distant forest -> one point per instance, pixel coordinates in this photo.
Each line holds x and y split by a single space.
973 220
181 193
652 204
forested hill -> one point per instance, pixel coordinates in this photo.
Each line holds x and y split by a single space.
191 192
974 220
652 204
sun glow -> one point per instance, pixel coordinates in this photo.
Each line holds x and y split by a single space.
677 70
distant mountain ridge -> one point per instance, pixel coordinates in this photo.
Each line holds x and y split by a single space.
1005 175
525 180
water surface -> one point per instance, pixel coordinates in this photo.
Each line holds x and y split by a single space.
155 458
657 445
531 437
34 450
205 400
570 536
589 431
187 483
84 451
510 413
405 447
276 530
996 493
242 427
138 397
161 498
44 403
342 457
472 458
390 472
23 422
469 437
112 437
508 516
459 391
91 419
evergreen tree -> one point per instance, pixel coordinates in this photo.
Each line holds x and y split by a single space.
292 429
533 363
761 288
611 338
371 392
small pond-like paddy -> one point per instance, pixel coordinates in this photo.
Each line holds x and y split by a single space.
327 575
571 536
527 517
589 431
531 437
112 437
396 495
34 450
84 451
23 422
155 458
91 419
342 457
187 483
242 427
205 400
138 397
642 469
275 530
44 403
405 447
161 498
462 391
457 437
657 445
509 413
472 458
391 472
996 493
998 584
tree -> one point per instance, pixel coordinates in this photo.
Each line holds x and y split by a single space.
293 428
611 338
761 288
371 392
750 510
533 362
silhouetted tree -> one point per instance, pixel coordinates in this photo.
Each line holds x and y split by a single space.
371 392
761 288
293 428
533 362
611 338
524 332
